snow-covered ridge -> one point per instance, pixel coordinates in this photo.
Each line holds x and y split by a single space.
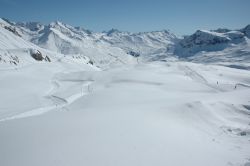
66 39
145 43
203 40
16 52
119 47
222 46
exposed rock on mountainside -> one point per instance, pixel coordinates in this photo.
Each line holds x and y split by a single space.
37 55
13 30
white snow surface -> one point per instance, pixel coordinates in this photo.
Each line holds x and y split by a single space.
96 105
148 114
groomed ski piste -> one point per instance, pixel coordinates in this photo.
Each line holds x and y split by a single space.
71 112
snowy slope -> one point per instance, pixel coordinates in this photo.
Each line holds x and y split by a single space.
236 56
10 40
14 50
27 70
149 114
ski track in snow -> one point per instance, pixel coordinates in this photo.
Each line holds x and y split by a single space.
194 75
58 102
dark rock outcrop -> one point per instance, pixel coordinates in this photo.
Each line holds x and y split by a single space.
37 55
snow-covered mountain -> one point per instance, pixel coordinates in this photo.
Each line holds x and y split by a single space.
100 47
246 31
68 40
215 40
116 47
222 46
142 44
16 52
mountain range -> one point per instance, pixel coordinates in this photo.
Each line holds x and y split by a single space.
221 46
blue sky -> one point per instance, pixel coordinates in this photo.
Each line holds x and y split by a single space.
180 16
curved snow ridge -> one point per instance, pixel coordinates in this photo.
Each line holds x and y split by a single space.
242 85
34 112
58 103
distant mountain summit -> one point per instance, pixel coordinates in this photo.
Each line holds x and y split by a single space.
246 31
216 46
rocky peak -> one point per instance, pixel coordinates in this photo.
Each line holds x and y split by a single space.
246 31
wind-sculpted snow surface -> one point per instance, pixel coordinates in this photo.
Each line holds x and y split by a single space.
149 114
